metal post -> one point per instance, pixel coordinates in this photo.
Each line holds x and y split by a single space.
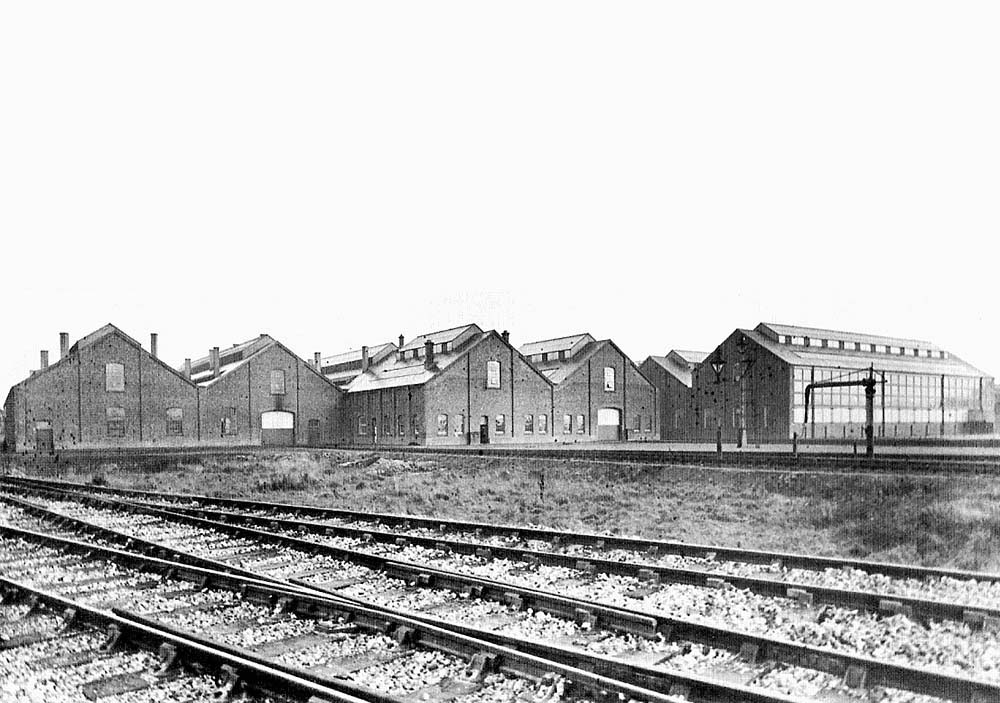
870 416
795 443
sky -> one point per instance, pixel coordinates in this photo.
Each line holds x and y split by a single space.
337 174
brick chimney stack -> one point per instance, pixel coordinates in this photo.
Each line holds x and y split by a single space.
429 355
401 341
364 359
506 337
63 345
45 359
187 369
152 344
216 363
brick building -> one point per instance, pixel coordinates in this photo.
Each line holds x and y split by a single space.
259 392
599 393
672 376
456 386
753 384
105 390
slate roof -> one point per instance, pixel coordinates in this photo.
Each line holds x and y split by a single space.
549 346
230 356
680 364
779 331
851 359
394 372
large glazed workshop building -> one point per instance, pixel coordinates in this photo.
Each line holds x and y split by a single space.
107 391
599 394
457 386
754 384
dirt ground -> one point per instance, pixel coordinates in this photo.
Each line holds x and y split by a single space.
949 521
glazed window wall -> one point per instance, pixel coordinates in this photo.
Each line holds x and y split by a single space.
909 397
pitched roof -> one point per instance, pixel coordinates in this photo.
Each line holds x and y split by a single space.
99 334
354 355
395 371
454 336
548 346
851 359
778 331
231 355
680 364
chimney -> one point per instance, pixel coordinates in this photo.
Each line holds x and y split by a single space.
429 355
317 361
45 359
63 345
187 369
506 337
364 359
401 341
216 365
152 345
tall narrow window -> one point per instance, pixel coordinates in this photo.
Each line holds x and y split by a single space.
114 377
362 425
459 425
567 424
543 424
175 422
442 425
492 374
501 424
581 425
609 378
116 422
529 424
649 423
277 382
229 421
400 426
387 424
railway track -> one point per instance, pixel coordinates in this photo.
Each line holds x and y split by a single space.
971 596
784 660
302 630
361 653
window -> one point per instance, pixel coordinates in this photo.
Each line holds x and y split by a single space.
765 417
387 424
459 425
677 419
362 425
400 426
175 422
562 355
543 424
415 425
116 421
501 424
442 425
581 425
277 382
649 423
567 424
229 421
609 378
114 377
637 425
529 424
492 374
545 356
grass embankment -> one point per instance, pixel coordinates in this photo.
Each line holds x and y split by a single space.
935 521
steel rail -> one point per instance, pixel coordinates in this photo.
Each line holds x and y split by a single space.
872 671
558 537
123 630
603 677
920 608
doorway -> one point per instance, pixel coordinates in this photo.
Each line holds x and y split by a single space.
609 422
313 432
277 428
484 429
44 442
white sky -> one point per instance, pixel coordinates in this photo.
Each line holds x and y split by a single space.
340 173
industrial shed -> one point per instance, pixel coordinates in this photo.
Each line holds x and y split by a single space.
259 392
752 386
599 393
104 391
452 387
672 376
341 369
